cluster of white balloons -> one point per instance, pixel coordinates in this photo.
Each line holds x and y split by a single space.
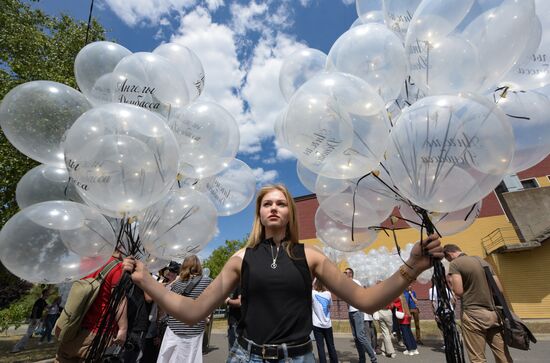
439 98
379 264
136 142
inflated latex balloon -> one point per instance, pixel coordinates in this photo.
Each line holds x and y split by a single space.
373 53
188 63
35 115
409 94
336 125
278 128
326 187
151 82
56 241
231 190
378 196
342 207
44 183
466 45
375 16
122 158
527 112
93 66
208 138
447 223
307 177
448 152
532 69
298 68
178 225
398 14
339 236
154 264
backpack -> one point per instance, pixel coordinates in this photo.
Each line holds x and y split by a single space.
81 297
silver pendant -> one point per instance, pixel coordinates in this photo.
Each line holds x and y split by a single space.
274 265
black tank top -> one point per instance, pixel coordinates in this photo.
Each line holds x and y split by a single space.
275 303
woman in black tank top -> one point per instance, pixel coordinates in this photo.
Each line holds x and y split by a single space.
275 272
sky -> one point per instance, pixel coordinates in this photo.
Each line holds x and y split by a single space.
242 45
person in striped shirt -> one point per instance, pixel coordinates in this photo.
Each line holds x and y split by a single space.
182 343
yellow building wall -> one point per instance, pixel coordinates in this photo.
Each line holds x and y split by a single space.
525 280
526 285
543 181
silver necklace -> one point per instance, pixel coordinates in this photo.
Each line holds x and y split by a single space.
274 258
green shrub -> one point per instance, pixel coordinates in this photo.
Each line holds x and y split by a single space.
19 311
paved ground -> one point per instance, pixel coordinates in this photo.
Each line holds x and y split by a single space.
430 352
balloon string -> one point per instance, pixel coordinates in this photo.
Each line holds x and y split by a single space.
89 22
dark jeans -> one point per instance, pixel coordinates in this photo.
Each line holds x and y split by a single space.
326 335
134 346
408 337
361 342
50 323
370 332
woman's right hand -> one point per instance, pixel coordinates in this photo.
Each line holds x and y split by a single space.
136 268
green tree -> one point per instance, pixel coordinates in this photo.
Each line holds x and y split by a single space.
33 46
220 255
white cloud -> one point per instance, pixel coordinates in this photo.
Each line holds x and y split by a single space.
248 17
261 90
265 177
241 59
149 11
347 2
214 4
215 45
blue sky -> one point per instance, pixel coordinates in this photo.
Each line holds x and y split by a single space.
242 45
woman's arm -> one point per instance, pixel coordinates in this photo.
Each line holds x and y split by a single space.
375 297
184 308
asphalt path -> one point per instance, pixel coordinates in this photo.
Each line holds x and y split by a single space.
430 352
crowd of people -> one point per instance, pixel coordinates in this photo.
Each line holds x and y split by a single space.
279 294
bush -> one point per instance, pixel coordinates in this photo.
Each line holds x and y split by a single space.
19 311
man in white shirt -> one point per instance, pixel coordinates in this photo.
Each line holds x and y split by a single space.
362 343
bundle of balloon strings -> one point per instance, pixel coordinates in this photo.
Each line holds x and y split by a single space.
454 351
128 244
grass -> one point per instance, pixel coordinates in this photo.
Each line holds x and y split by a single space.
32 353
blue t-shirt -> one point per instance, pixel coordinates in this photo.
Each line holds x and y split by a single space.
409 298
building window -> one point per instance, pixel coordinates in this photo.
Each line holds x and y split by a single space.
529 183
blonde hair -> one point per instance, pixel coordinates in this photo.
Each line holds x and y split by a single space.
191 266
258 230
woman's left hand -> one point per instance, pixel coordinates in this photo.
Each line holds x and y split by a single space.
423 251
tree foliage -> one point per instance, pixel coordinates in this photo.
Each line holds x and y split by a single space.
220 255
33 46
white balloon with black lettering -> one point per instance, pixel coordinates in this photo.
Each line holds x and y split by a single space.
336 125
231 190
188 63
448 152
56 241
150 81
121 158
43 183
93 67
208 138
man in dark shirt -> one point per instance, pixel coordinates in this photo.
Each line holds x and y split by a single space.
233 314
36 316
